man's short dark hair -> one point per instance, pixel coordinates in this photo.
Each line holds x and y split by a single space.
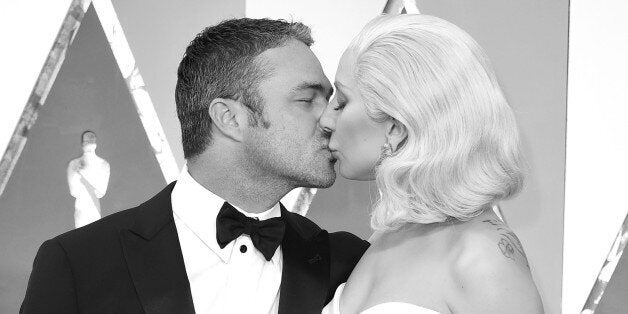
219 63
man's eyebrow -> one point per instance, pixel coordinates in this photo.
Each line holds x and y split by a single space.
315 86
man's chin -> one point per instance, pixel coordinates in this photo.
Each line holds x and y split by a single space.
328 183
320 180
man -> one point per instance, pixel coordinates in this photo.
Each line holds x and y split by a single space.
88 177
249 95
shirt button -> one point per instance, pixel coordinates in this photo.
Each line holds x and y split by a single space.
243 248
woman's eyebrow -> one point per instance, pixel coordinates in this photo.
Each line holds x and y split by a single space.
341 87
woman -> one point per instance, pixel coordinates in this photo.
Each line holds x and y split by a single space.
418 109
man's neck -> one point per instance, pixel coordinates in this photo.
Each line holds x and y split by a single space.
253 195
89 157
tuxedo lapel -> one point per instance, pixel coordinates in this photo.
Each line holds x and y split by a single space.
305 275
153 255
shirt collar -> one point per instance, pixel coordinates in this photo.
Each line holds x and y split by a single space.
197 208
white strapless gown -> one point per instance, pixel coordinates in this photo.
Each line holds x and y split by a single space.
384 308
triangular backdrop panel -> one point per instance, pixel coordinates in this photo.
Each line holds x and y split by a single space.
608 294
89 93
614 300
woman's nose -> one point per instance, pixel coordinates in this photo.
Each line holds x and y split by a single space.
327 120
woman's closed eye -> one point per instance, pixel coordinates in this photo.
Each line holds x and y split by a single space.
340 100
340 106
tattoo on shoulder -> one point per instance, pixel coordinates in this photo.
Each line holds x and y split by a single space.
508 243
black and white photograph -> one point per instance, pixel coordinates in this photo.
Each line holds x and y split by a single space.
328 157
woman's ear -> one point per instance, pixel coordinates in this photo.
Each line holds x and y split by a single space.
229 118
396 134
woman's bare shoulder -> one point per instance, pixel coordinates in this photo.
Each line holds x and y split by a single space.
490 237
491 271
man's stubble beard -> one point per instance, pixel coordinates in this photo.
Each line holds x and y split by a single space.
290 162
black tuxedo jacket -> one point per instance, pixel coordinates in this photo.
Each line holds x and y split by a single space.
131 262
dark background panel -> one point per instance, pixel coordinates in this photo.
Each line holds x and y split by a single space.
89 93
615 297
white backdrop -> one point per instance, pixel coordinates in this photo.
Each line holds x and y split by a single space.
27 29
597 142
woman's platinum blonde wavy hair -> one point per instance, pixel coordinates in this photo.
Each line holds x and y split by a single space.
462 152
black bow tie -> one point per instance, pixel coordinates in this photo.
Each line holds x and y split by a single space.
266 235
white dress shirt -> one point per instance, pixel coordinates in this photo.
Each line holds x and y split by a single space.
235 279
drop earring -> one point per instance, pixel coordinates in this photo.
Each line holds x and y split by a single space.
386 151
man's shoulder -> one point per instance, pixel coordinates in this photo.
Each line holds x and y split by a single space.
345 251
343 244
101 230
338 240
345 239
346 248
154 211
304 226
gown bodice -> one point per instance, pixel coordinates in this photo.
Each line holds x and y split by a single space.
383 308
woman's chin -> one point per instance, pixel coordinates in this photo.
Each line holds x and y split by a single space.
342 169
351 174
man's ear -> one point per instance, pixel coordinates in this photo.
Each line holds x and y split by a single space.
229 117
396 134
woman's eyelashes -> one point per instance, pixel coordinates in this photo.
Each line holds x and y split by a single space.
340 105
341 102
